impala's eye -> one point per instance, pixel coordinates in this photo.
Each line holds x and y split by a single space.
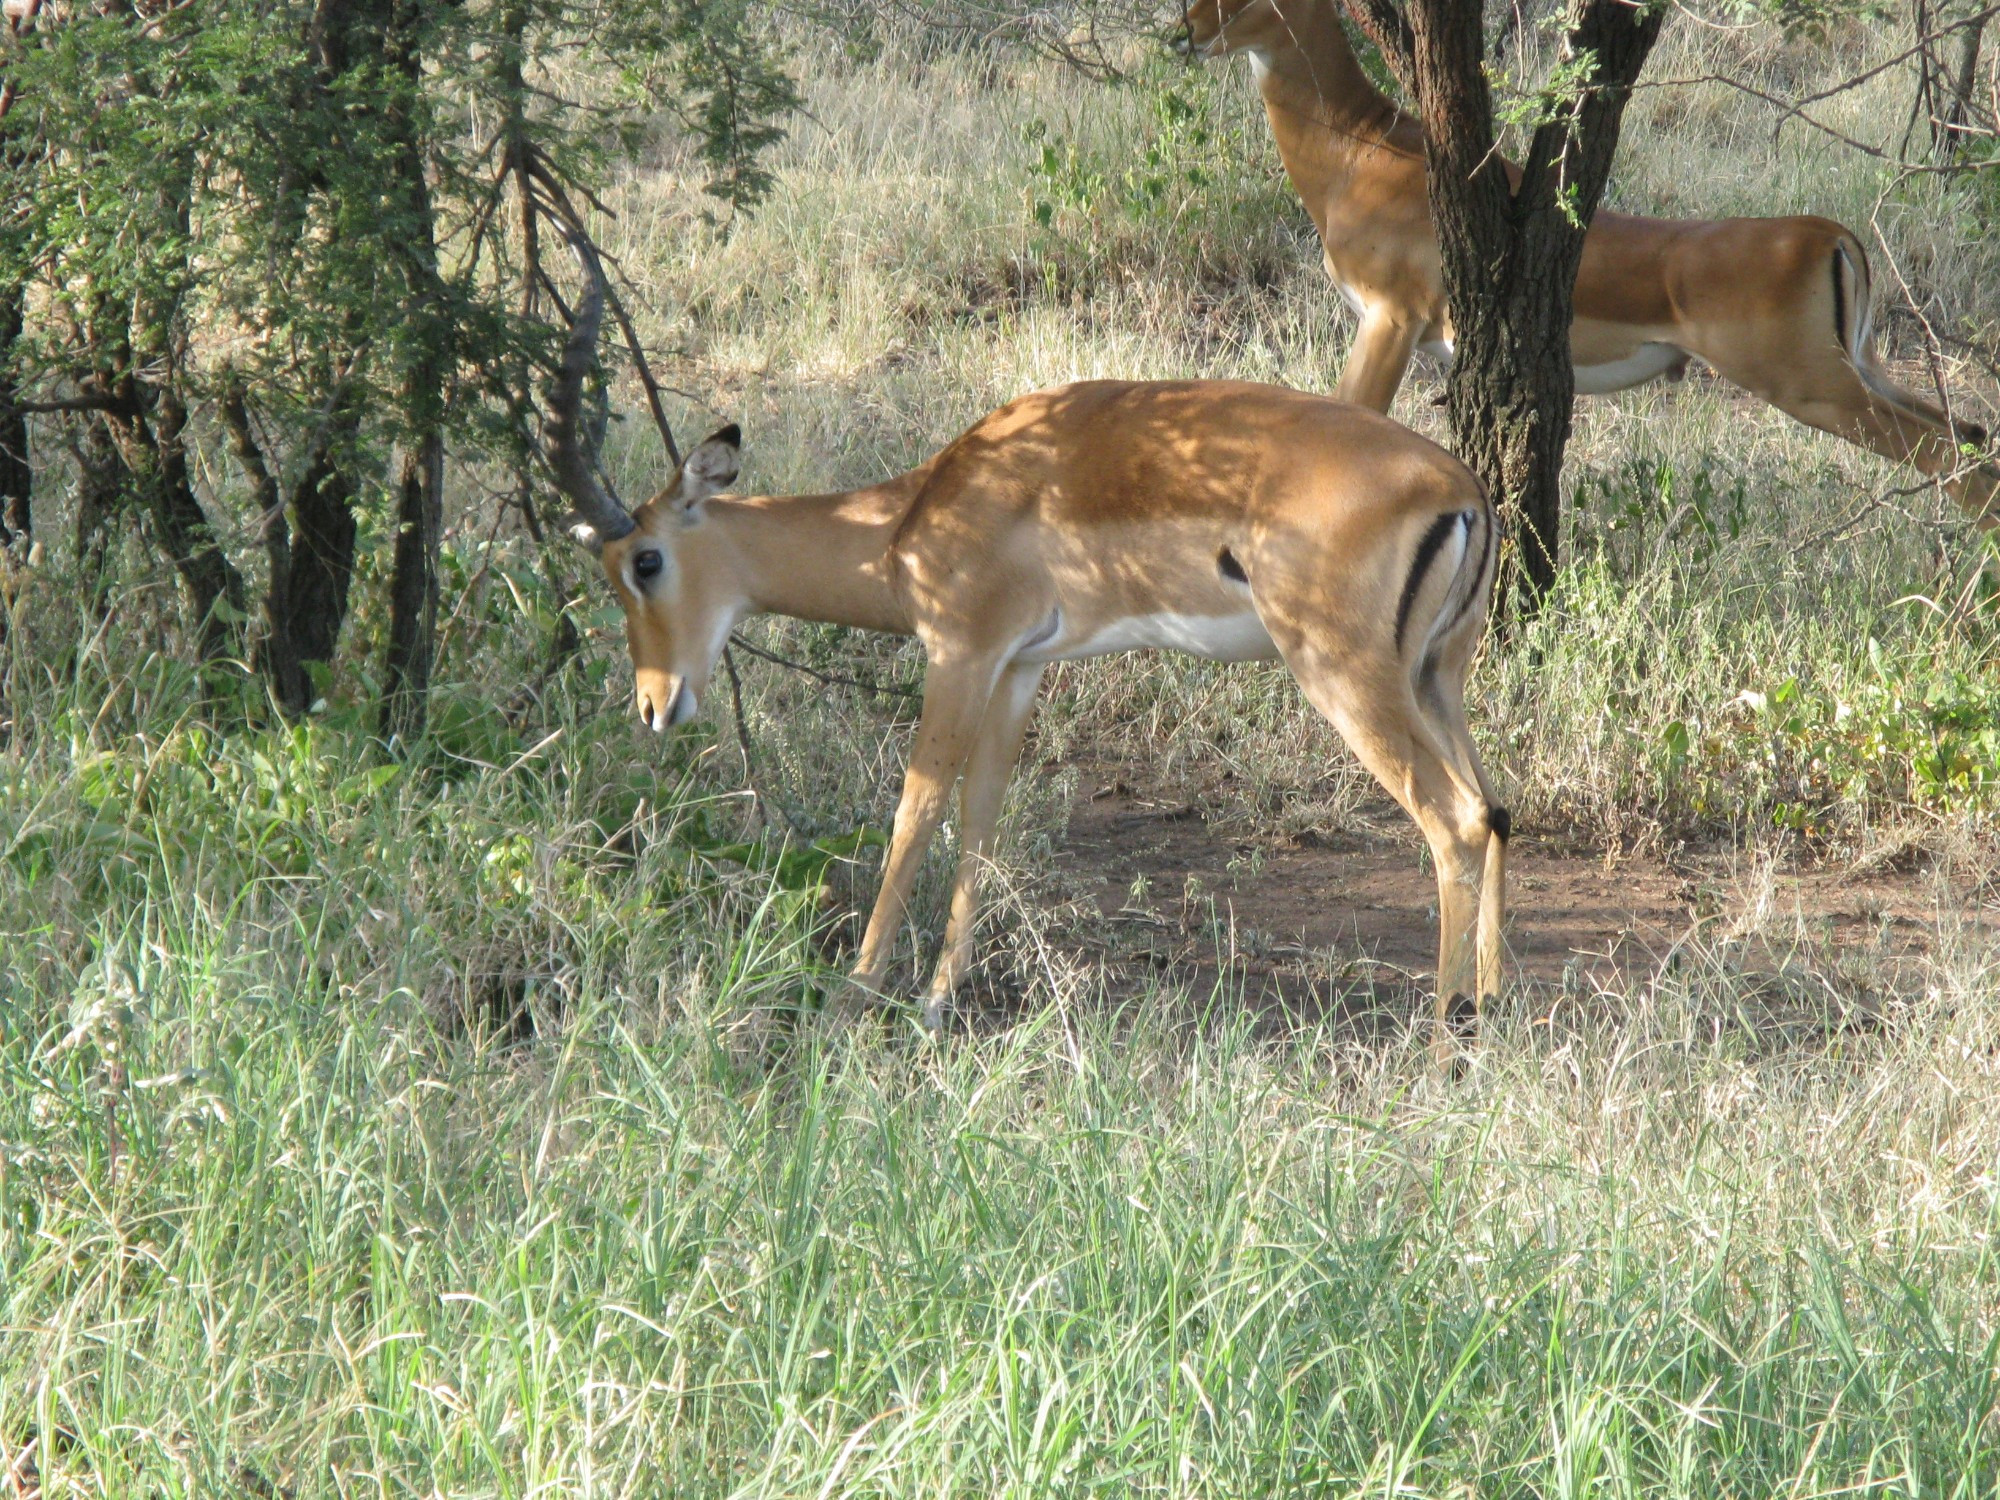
647 564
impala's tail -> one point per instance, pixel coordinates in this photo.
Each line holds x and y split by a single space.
1458 546
1454 562
1901 424
1854 331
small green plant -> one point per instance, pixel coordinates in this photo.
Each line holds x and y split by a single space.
1186 163
1909 732
1648 510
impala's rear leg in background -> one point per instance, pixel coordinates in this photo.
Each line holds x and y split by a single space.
1377 361
1395 692
1839 386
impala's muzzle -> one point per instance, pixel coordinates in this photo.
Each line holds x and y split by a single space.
1188 44
664 701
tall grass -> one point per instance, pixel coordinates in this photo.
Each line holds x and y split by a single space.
289 1207
453 1127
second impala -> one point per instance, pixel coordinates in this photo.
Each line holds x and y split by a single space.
1237 522
1780 307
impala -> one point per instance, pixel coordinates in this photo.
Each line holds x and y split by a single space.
1780 307
1236 522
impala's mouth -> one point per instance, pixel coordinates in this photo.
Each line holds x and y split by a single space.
663 708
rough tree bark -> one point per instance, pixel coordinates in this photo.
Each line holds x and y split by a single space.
101 492
276 658
16 476
323 537
1947 75
150 429
1512 238
413 589
413 582
308 542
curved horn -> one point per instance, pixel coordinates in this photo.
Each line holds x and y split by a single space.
572 454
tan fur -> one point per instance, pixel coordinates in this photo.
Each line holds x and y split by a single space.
1058 526
1754 298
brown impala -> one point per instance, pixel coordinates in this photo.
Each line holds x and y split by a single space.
1779 307
1236 522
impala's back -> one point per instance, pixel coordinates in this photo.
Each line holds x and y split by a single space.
1113 515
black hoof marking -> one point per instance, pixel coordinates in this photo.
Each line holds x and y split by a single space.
1461 1017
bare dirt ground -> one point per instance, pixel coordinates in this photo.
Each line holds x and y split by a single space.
1350 922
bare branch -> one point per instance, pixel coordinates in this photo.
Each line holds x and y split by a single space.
830 679
1389 29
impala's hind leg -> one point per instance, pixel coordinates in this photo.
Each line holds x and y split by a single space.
1854 398
1440 693
1377 713
1902 427
1377 362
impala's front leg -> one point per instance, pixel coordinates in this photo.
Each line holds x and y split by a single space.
955 697
986 776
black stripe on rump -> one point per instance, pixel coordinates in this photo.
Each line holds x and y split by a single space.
1839 299
1472 595
1426 551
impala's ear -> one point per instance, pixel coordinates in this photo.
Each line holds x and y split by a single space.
712 467
583 533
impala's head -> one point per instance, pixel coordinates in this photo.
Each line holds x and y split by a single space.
1218 27
678 606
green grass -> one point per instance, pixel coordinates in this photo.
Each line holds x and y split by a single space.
276 1210
273 1206
462 1126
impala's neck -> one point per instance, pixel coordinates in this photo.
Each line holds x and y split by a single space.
823 558
1313 83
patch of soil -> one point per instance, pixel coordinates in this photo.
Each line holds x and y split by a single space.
1349 922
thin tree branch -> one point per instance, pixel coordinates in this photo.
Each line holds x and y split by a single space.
830 679
1389 29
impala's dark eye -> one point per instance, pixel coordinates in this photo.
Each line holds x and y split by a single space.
647 564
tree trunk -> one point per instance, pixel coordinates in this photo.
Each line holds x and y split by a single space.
323 537
16 476
1511 240
309 565
1949 134
413 590
100 494
413 585
277 659
155 455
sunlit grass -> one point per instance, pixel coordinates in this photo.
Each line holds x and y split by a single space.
278 1210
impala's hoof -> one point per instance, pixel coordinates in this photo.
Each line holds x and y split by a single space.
1461 1019
1453 1035
935 1009
854 1000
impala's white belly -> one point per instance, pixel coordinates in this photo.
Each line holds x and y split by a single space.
1647 362
1237 637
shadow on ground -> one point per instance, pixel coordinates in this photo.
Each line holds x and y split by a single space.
1347 926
